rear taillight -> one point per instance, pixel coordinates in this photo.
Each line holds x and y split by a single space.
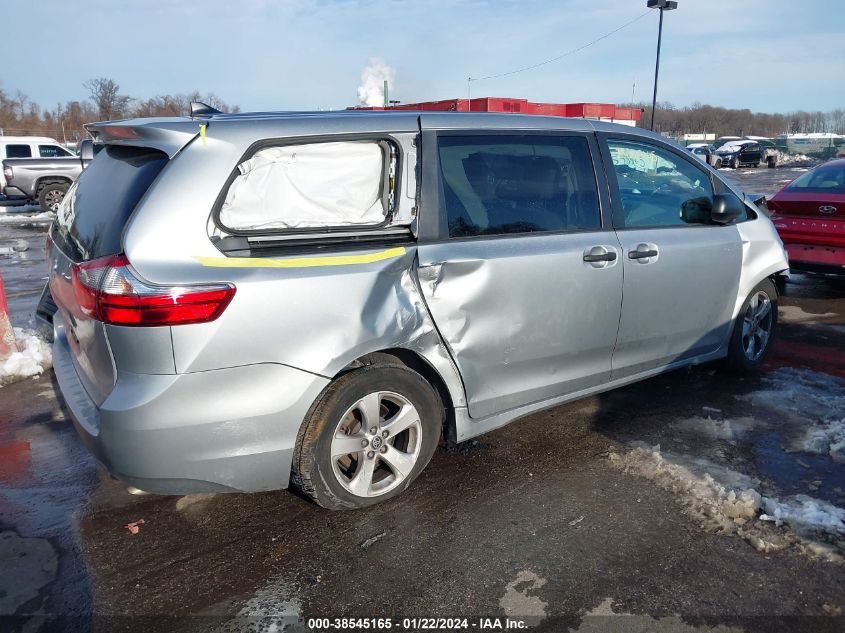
107 290
8 174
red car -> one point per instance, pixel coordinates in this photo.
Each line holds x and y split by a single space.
809 214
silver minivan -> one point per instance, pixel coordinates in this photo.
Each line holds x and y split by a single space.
240 302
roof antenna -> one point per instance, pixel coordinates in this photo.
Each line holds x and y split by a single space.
200 109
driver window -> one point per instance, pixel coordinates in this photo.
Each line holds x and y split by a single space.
659 188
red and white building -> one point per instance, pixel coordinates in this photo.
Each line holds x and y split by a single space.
598 111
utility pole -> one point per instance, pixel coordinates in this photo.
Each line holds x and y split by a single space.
469 100
663 5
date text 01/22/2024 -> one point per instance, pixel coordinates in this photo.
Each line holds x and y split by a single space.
416 624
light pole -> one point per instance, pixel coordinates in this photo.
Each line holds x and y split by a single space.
663 5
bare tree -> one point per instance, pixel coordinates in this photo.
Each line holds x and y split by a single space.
105 93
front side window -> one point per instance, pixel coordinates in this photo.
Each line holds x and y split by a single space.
659 188
495 185
18 151
52 151
345 183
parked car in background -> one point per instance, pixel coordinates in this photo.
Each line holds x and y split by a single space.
44 180
747 153
31 147
809 214
707 153
316 298
736 154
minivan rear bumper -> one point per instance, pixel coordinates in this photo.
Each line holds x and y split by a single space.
225 430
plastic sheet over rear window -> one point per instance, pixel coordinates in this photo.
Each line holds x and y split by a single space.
308 186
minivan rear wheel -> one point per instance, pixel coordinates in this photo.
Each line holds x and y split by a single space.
367 437
754 329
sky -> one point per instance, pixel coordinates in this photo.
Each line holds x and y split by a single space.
765 55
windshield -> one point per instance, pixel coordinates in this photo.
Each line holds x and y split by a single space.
828 178
733 146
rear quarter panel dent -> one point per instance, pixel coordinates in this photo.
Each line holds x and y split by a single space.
318 320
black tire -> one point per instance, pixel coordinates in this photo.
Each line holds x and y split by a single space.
771 162
735 163
312 472
738 359
718 164
51 195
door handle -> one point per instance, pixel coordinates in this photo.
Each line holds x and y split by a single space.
610 256
643 251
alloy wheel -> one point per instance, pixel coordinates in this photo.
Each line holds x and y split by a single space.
757 325
376 444
53 199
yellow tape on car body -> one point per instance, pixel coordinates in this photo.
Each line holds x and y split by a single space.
301 262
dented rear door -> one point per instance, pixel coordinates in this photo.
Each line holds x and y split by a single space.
521 273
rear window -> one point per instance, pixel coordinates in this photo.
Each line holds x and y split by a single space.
98 205
828 179
18 151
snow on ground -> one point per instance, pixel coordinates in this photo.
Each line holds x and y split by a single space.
812 404
719 428
806 409
805 514
801 395
24 219
20 208
728 501
33 359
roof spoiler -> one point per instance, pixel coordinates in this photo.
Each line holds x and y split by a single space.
167 135
200 109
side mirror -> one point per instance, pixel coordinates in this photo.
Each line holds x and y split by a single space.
726 208
86 149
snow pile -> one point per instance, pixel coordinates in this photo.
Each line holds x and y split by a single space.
731 430
718 505
805 515
794 160
33 359
828 438
725 500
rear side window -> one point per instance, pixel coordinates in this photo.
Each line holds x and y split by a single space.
98 205
315 185
52 151
659 188
18 151
495 185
